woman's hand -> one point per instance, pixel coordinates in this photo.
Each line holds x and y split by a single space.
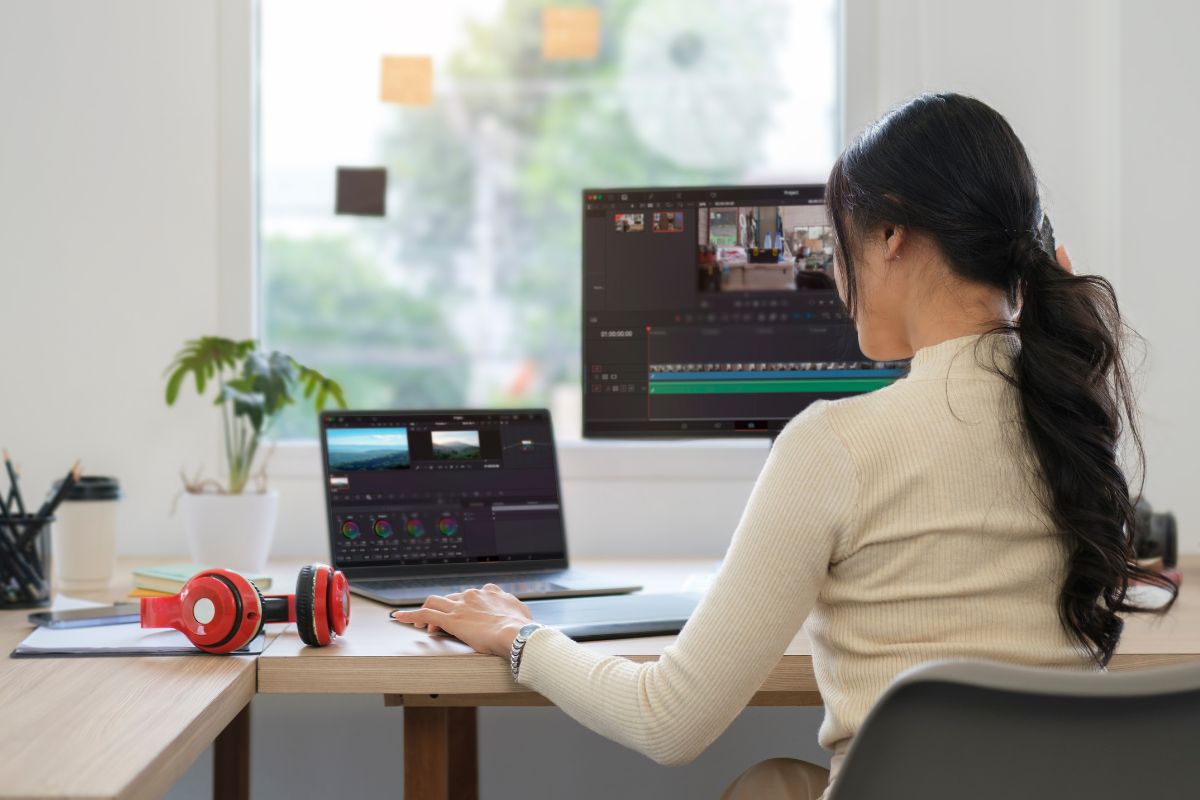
486 619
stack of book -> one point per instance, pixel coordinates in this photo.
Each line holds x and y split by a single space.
168 579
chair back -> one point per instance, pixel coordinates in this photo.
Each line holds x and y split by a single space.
970 730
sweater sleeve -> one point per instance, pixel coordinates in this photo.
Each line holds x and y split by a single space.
670 710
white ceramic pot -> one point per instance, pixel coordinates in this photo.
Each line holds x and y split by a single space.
233 531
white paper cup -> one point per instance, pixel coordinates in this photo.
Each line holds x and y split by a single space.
83 538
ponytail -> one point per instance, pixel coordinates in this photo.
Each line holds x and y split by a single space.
952 168
1076 403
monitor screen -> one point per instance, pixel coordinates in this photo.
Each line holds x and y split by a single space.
441 487
713 312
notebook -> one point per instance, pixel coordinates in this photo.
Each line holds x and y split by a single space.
115 640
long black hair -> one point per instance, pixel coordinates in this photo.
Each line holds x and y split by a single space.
951 168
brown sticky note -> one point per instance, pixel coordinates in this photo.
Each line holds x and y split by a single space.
570 32
361 191
407 80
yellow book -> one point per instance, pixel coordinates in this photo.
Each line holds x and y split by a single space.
149 593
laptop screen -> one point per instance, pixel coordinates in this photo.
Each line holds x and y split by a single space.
441 487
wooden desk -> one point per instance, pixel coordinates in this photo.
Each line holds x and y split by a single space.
120 727
130 727
440 682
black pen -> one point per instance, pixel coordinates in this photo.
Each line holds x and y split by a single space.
16 484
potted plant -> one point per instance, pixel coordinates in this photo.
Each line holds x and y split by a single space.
230 524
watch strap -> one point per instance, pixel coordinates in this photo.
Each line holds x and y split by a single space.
518 646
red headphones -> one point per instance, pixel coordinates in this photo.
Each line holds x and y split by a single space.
221 611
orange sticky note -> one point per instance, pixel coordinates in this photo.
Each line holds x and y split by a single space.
570 32
407 80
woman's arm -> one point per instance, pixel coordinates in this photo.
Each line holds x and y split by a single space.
672 709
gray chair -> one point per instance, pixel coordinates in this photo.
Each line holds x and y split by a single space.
969 730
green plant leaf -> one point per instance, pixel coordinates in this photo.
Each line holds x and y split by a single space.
173 384
336 391
323 387
204 358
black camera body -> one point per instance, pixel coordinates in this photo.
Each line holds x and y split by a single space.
1154 534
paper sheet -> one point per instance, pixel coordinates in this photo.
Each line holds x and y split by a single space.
127 639
570 33
1148 597
407 80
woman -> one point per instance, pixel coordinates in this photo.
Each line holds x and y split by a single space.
974 509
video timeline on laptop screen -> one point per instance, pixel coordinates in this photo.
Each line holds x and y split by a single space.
713 312
442 488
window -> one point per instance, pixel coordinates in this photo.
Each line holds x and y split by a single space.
467 291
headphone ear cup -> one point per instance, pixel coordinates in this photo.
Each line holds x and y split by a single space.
322 610
305 602
242 616
338 606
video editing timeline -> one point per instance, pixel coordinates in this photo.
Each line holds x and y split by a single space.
442 488
713 311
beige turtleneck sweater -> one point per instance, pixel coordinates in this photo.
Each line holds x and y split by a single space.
896 527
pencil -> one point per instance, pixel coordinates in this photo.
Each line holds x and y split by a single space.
28 574
16 484
39 519
65 486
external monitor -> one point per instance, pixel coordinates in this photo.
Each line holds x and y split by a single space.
713 312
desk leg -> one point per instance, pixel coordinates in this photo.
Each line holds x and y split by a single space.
231 759
440 754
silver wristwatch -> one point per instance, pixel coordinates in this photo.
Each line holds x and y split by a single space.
518 645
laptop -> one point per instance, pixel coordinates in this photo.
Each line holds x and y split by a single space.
435 502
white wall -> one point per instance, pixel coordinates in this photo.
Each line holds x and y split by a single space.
1160 205
108 223
119 238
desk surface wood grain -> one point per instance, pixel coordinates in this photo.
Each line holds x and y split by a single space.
111 727
381 656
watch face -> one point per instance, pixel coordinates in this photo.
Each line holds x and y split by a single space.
528 630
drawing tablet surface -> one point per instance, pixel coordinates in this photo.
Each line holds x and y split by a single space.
616 616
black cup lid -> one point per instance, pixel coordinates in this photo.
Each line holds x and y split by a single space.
92 487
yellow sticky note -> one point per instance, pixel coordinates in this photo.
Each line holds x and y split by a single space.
407 80
570 32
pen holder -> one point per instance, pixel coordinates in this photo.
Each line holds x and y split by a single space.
25 561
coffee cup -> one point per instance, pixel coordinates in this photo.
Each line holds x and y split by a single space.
83 539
